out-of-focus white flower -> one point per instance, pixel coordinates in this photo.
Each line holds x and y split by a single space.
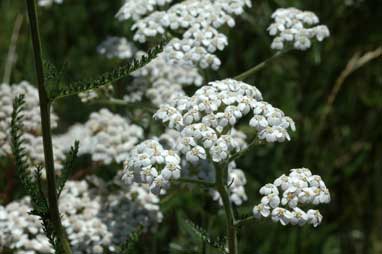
116 47
95 220
293 26
300 187
48 3
31 124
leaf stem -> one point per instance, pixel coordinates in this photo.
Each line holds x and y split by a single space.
245 150
196 181
259 66
54 215
221 186
239 223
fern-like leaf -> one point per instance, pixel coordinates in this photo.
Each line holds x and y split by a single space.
31 186
72 88
204 236
68 167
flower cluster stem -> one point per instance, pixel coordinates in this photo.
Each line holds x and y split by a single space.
259 66
221 186
62 241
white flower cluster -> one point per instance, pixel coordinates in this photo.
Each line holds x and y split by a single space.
116 47
48 3
282 197
290 27
94 223
197 20
151 164
111 137
17 226
31 121
236 181
205 120
103 92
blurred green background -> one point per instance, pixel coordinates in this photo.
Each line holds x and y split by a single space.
336 104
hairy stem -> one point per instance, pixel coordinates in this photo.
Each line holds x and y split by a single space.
221 186
259 66
54 214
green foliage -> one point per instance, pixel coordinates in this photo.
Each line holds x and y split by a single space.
71 88
131 244
68 167
31 183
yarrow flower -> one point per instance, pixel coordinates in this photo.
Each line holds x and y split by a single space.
116 47
48 3
293 26
31 132
197 20
206 120
281 199
151 164
94 220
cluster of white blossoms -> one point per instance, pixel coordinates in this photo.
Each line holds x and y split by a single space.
116 47
206 120
47 3
281 199
196 20
151 164
94 223
31 123
236 182
16 227
295 26
106 136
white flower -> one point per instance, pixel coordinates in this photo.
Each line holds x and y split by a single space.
281 215
117 47
295 25
299 187
195 154
314 217
261 210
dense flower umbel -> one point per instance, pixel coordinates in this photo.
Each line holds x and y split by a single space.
281 199
95 220
47 3
205 120
196 20
151 164
289 27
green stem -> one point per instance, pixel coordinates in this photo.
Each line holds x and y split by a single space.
245 221
221 186
195 181
260 66
133 105
46 132
245 150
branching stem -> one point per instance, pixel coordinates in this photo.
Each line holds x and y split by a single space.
46 132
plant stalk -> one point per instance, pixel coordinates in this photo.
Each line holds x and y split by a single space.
54 214
259 66
221 186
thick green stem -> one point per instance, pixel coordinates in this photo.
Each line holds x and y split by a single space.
260 66
46 132
221 186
